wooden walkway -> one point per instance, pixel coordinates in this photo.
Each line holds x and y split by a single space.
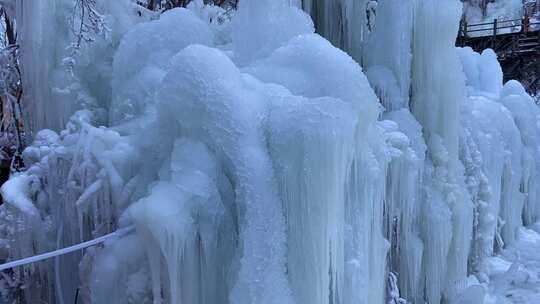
516 43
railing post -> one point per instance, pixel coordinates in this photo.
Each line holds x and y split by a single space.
494 34
464 32
460 33
538 41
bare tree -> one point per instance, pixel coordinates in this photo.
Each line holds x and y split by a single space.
11 91
86 21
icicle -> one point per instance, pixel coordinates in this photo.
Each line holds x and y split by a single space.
436 95
312 157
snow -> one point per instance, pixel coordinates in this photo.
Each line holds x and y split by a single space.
513 276
15 192
297 67
482 71
508 14
498 9
135 81
261 27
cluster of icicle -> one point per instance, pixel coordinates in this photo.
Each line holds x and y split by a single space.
260 164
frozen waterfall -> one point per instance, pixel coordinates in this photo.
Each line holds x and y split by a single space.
268 155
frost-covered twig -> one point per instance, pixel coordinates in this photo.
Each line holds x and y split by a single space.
393 290
86 21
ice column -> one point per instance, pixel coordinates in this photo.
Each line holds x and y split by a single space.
438 87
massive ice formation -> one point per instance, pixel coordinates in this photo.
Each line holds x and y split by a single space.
259 164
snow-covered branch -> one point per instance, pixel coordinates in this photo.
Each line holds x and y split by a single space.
87 21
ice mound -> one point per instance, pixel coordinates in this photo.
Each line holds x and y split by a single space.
143 55
260 27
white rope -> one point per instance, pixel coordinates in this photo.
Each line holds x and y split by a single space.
66 250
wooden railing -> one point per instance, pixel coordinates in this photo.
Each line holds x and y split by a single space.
498 35
516 43
498 27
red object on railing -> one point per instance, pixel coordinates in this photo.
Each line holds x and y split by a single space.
525 24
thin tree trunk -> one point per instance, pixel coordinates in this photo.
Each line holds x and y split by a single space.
10 30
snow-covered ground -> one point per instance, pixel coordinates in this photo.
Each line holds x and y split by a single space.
514 275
